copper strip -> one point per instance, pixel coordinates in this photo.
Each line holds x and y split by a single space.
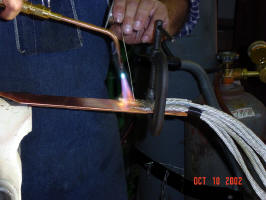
89 104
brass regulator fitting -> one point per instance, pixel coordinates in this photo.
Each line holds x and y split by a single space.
257 54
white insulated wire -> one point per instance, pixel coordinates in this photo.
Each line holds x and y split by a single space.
257 165
243 131
252 156
237 125
228 141
250 138
229 130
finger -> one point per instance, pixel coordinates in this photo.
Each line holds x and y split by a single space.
132 38
12 9
143 14
131 9
119 10
159 14
116 29
139 35
129 39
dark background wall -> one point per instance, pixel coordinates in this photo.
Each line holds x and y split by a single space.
241 22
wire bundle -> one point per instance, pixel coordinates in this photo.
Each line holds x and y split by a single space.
231 131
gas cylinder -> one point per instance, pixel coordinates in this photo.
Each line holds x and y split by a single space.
203 159
245 107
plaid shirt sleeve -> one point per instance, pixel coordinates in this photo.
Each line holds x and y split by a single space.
192 20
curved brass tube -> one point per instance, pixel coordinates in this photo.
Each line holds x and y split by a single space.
45 13
93 28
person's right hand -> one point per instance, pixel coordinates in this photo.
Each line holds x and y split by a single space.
12 9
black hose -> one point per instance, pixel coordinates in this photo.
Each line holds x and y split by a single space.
210 98
204 82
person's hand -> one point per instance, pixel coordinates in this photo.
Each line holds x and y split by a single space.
12 9
136 18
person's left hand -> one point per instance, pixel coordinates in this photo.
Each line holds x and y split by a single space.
136 19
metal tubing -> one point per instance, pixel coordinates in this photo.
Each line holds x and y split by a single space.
45 13
92 27
204 82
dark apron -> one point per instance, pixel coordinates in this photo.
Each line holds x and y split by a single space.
69 154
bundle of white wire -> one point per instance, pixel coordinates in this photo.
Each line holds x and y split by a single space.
230 130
